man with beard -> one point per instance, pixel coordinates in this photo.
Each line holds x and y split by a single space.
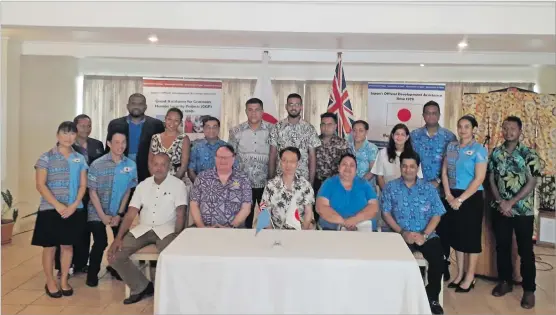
294 132
140 130
430 142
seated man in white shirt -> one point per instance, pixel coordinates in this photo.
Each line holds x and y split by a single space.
160 201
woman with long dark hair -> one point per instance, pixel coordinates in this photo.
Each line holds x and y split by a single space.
463 173
387 164
61 179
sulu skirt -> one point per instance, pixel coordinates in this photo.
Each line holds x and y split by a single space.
52 230
466 223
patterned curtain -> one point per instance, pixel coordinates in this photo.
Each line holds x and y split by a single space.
537 111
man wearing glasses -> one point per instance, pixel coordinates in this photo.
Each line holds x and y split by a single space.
204 150
294 132
329 153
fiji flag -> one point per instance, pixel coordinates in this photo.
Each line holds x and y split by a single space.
339 102
263 220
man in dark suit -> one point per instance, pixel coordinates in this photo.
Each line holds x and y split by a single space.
140 130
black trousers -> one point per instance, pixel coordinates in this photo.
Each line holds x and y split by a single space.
257 194
100 242
432 252
81 247
316 187
443 231
503 231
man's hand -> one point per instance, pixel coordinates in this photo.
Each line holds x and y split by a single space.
350 224
419 239
408 237
505 208
114 248
106 219
115 220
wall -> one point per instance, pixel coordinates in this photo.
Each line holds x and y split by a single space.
48 94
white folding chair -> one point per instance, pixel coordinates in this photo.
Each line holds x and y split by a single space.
422 262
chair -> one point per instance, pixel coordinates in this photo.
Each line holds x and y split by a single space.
422 262
148 253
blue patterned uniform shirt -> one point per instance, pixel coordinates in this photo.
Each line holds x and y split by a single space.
110 181
203 155
411 207
431 150
461 163
63 176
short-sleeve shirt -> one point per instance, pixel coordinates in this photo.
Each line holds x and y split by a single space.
365 155
431 150
278 198
328 156
389 170
111 181
158 203
347 203
63 176
301 135
203 155
252 151
220 203
461 163
510 174
412 207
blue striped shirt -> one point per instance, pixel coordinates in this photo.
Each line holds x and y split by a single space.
110 180
63 176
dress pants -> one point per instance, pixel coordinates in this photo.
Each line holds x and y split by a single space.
81 247
100 242
130 273
503 231
432 252
257 195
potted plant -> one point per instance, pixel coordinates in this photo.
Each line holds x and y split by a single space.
9 217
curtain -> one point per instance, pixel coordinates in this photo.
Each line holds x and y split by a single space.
105 98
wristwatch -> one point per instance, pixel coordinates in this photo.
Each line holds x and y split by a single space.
438 180
121 214
459 200
426 236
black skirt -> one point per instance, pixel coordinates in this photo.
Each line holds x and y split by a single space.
52 230
466 223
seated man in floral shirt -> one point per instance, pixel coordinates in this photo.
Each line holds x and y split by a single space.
221 196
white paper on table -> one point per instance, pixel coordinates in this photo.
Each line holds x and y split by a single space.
365 226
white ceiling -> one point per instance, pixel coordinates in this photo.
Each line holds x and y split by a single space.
317 41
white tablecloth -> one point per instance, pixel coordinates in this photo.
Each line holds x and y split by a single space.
230 271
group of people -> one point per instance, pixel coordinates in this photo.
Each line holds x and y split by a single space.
429 182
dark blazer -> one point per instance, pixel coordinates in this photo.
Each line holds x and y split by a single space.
151 127
95 149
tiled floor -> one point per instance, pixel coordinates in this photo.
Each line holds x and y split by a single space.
23 290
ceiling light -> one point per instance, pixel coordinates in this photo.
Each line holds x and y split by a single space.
153 38
422 65
463 44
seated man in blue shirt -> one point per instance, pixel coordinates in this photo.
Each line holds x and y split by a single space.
346 200
412 207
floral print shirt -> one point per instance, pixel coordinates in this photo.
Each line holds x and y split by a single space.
328 156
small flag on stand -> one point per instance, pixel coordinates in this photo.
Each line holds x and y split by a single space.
339 102
263 219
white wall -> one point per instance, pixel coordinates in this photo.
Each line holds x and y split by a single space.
306 71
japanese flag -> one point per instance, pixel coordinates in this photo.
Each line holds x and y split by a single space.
293 219
403 113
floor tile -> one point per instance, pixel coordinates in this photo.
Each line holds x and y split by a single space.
25 297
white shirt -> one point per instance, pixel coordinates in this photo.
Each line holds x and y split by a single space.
158 205
390 171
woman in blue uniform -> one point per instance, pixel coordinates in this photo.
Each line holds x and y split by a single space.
61 179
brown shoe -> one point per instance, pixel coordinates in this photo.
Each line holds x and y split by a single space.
528 300
502 289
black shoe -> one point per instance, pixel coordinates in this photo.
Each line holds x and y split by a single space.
528 300
436 308
113 273
67 292
459 289
453 285
83 269
92 280
55 295
134 298
502 289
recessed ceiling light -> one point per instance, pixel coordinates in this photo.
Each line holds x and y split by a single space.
463 44
422 65
153 38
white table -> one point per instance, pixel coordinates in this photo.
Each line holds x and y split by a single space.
229 271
